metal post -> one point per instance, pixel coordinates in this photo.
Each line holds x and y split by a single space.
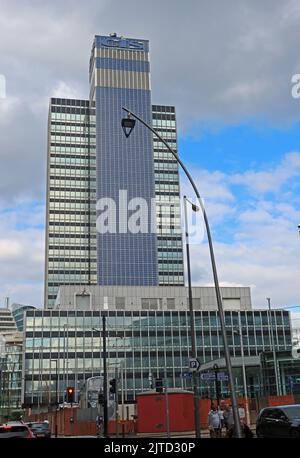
105 416
192 325
122 399
244 371
216 369
278 390
167 405
56 395
117 402
235 410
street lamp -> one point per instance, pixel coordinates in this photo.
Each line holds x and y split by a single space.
278 391
192 321
56 393
129 125
239 332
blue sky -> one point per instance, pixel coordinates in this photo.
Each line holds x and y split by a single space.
229 76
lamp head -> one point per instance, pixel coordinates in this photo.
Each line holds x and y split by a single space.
127 125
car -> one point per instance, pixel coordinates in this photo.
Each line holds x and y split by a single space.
279 421
15 431
40 429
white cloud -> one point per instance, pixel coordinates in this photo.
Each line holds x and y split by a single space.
22 253
261 242
271 180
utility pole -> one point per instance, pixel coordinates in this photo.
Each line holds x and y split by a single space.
192 322
167 405
278 390
244 371
105 416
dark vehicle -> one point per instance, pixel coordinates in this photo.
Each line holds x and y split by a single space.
16 431
40 430
279 421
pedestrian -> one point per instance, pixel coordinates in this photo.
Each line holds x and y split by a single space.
214 422
242 413
228 418
222 411
99 424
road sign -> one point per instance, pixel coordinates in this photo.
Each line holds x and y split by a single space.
186 375
194 364
208 376
222 377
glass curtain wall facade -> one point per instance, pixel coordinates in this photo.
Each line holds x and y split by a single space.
145 342
10 379
71 184
167 192
120 76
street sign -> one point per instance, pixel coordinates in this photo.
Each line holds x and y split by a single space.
222 377
208 376
186 375
194 364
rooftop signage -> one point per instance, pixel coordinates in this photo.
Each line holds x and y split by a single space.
123 43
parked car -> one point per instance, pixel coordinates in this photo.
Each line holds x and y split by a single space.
279 421
40 429
16 431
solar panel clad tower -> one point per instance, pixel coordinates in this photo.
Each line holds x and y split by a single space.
120 75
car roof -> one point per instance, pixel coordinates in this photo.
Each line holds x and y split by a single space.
285 406
14 423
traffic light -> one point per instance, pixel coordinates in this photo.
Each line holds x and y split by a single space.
70 394
159 385
112 383
101 399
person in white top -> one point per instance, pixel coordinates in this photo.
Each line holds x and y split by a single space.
214 422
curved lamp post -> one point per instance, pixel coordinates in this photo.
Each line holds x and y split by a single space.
192 321
128 126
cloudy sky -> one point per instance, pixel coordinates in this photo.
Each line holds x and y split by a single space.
226 66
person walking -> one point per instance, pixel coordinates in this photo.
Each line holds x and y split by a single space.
228 418
214 422
99 424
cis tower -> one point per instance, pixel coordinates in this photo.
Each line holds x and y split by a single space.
89 159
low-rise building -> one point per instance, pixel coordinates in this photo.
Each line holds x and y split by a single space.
148 343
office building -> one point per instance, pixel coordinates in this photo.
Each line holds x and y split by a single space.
7 322
90 159
18 311
145 342
70 248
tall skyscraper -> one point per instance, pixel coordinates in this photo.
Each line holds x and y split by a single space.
90 161
71 183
